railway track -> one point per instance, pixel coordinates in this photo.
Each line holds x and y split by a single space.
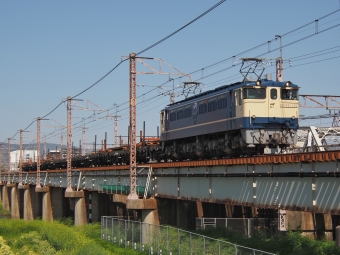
307 157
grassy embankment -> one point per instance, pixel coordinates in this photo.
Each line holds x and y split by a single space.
37 237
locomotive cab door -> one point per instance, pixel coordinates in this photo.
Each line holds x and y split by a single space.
164 123
273 104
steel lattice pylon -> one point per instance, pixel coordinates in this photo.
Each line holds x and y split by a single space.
133 179
69 145
38 153
9 161
20 162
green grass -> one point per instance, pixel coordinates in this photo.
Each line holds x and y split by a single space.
4 213
292 243
42 238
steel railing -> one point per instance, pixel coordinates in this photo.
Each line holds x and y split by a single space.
155 239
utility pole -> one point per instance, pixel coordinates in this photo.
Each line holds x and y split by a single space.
38 153
45 155
133 178
279 62
132 129
69 145
9 161
116 126
20 162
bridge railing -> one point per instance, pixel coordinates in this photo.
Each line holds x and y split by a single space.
155 239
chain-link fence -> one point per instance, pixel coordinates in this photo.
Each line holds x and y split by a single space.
244 226
155 239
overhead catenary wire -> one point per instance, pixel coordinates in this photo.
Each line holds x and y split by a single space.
258 46
140 52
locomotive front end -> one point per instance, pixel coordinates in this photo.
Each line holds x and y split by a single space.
270 113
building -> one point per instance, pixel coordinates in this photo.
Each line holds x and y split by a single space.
27 156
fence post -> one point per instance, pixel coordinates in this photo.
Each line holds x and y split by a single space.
179 241
140 236
235 250
125 234
167 238
132 234
106 229
149 238
190 244
112 229
204 244
219 248
249 228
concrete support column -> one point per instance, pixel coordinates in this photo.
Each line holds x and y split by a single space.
149 216
15 214
0 194
5 199
199 209
80 217
47 212
28 209
229 210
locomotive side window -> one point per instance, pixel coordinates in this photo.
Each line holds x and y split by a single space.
202 108
273 93
172 116
187 113
289 94
254 93
222 103
180 114
212 106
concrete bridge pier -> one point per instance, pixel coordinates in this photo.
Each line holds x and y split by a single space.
149 215
314 225
47 212
80 217
5 197
15 214
28 209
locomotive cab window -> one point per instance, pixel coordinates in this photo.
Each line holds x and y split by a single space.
254 93
273 94
289 94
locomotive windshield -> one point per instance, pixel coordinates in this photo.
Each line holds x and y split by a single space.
289 94
254 93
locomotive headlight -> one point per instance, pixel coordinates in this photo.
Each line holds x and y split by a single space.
288 83
253 116
293 117
258 82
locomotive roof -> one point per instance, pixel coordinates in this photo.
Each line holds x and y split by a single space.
264 83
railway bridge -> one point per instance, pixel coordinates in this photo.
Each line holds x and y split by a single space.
301 190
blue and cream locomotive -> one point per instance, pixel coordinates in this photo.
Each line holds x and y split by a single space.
244 118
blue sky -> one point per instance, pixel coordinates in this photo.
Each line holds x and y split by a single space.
54 49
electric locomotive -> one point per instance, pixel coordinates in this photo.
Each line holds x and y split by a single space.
244 118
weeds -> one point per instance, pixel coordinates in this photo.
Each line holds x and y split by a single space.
292 243
58 238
